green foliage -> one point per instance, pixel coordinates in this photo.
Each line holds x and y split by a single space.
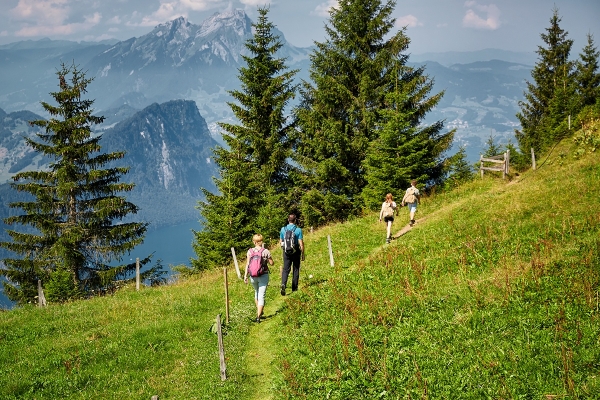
74 204
587 75
518 161
459 169
550 97
588 137
254 170
406 149
491 147
318 208
361 113
61 286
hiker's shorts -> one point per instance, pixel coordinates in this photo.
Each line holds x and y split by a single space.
412 207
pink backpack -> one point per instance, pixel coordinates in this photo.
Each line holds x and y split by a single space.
257 266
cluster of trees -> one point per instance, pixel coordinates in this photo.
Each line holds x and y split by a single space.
70 239
357 134
563 92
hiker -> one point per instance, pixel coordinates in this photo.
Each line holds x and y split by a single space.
388 208
257 259
411 198
292 245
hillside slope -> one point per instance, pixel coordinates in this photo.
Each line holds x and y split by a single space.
493 294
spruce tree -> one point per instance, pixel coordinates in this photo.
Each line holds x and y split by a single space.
587 75
341 110
254 169
406 148
459 169
72 207
548 100
491 147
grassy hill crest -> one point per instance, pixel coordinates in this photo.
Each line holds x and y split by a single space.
493 294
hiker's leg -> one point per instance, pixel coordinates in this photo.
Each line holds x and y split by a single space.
285 270
263 282
296 273
389 228
255 285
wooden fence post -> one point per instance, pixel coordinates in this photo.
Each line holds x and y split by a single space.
221 350
235 262
41 297
137 273
226 296
532 159
330 250
481 165
155 397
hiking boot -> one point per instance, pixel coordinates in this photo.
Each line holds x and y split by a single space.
412 222
388 240
258 320
283 290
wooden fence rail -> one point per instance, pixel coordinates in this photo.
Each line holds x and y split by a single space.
502 159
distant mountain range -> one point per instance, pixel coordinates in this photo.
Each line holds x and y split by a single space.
182 60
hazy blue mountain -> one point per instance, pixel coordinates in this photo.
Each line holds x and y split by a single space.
200 62
168 148
449 58
481 99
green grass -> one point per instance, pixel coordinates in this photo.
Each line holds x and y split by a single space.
493 294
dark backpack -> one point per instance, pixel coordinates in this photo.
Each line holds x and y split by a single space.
257 266
289 241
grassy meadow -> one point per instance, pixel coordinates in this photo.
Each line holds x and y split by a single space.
493 294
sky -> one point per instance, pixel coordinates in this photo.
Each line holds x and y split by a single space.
432 25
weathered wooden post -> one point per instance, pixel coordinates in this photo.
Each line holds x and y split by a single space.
235 262
481 165
137 273
507 164
41 297
330 250
155 397
221 350
226 296
532 159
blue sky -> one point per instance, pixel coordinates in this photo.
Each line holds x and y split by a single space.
432 25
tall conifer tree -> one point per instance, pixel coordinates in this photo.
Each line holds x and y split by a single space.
74 205
548 100
341 110
254 168
587 75
406 148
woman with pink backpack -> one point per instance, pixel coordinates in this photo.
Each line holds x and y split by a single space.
258 260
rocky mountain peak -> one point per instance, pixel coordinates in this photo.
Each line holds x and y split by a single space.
234 19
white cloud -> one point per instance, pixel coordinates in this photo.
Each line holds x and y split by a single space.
48 17
408 20
201 5
322 10
256 2
472 19
169 10
42 12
